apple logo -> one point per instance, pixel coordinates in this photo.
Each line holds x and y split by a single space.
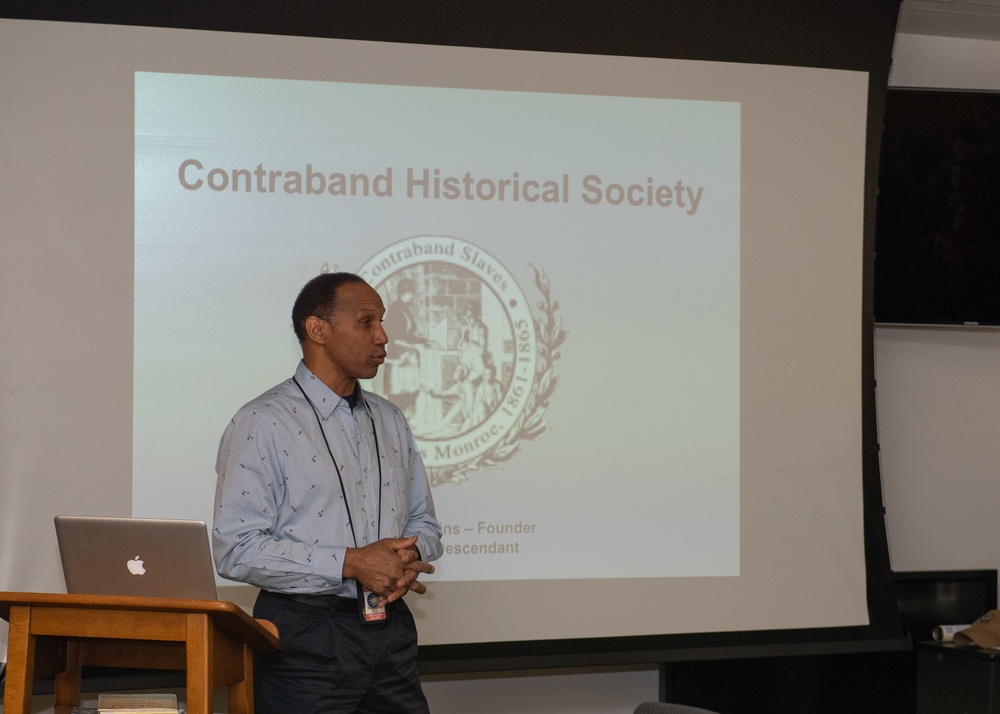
135 566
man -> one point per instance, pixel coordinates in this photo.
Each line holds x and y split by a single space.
323 502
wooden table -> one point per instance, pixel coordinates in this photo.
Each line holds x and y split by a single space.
213 641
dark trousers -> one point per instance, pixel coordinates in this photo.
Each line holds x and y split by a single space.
332 663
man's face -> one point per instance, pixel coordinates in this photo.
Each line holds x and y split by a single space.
356 344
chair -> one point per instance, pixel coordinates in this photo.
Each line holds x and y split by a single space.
669 708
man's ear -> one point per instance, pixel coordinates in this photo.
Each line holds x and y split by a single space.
317 329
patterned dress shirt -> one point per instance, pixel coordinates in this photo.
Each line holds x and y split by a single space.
281 519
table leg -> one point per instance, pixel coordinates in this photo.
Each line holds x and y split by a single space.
200 656
241 693
68 679
20 662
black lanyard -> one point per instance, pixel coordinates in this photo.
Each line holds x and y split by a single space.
343 491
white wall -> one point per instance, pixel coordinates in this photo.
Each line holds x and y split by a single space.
576 692
939 413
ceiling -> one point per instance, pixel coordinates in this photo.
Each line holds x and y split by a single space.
974 19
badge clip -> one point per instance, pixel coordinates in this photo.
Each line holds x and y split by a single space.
368 606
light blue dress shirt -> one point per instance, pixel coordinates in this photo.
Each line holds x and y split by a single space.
281 521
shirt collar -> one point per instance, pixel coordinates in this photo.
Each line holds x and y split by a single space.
322 397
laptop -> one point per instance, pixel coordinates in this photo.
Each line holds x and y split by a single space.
144 557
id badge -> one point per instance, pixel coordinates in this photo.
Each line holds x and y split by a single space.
368 606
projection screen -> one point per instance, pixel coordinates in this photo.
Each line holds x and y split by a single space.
636 288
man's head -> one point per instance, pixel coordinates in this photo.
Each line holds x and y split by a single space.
338 320
318 298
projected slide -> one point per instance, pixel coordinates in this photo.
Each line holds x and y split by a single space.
562 280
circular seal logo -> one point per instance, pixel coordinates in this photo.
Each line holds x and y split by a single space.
464 357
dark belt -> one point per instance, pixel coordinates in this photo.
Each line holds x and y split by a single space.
337 603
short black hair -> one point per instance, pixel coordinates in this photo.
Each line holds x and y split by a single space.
318 298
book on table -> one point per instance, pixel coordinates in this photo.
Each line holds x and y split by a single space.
137 704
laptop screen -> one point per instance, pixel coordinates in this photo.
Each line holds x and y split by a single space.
144 557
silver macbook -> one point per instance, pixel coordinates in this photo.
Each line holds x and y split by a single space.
146 557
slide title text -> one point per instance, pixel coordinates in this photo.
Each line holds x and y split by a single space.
432 184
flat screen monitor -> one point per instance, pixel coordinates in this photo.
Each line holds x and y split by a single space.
937 238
